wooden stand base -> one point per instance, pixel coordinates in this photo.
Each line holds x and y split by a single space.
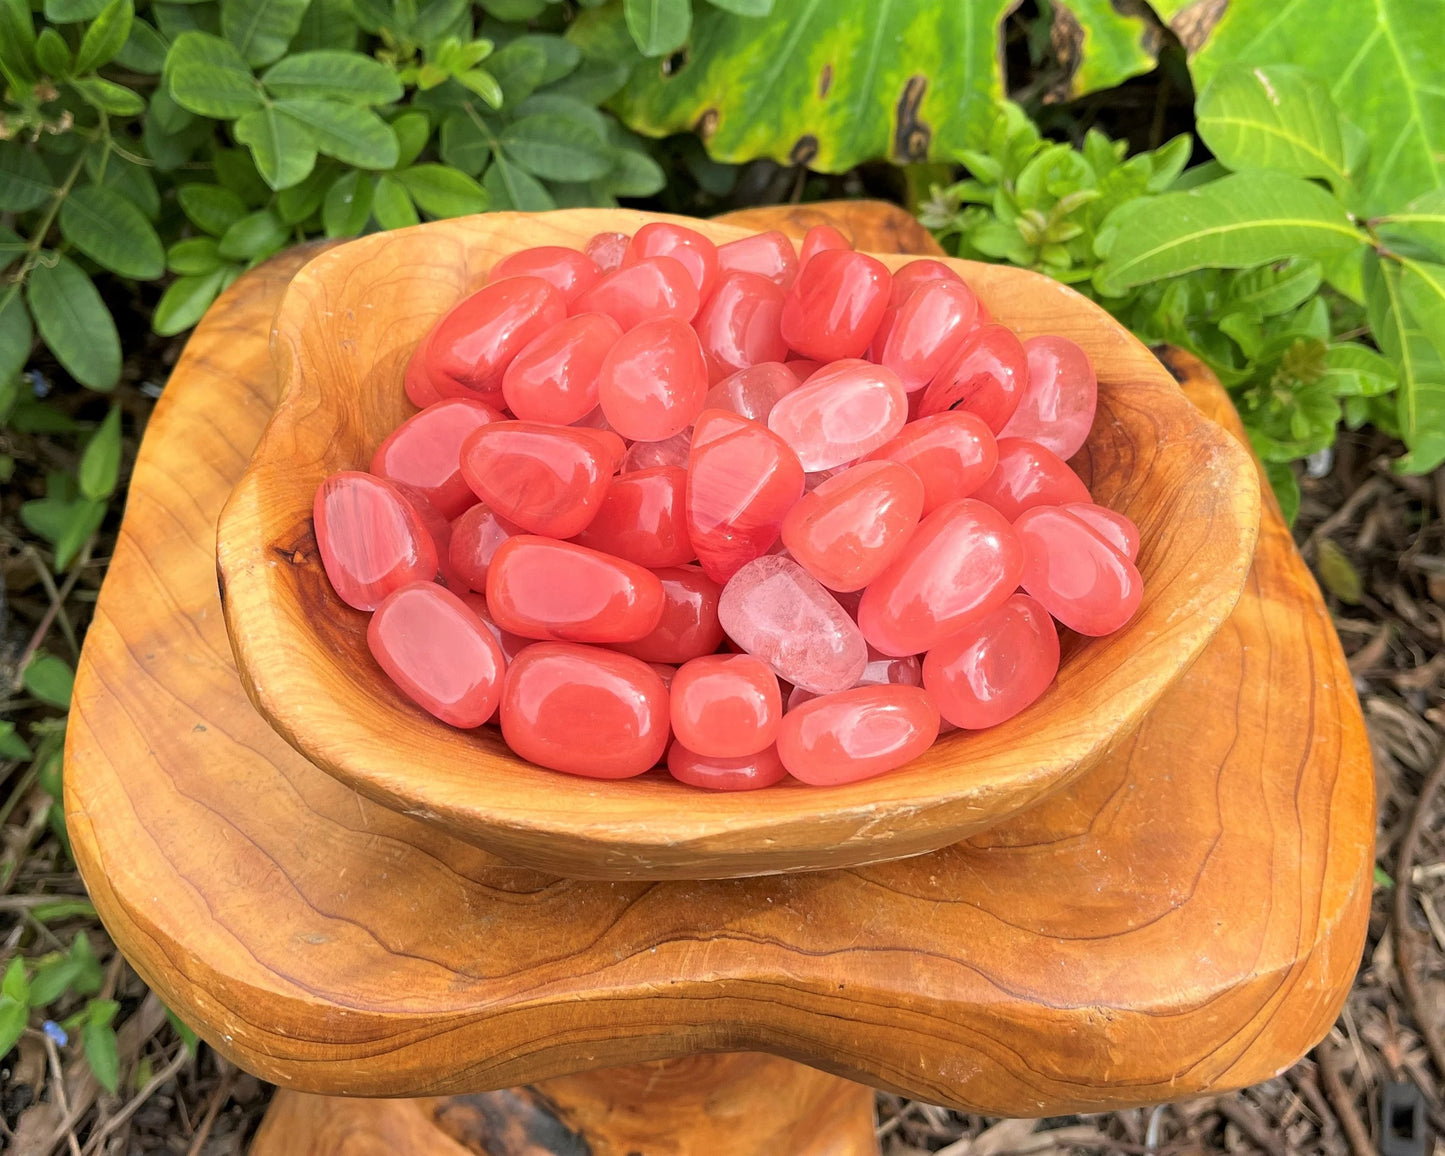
743 1103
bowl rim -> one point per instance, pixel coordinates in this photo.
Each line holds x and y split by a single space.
585 830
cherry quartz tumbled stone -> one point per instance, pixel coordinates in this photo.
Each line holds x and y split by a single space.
416 380
571 272
833 307
475 537
840 414
987 376
752 392
470 348
962 562
643 519
857 734
584 710
738 325
847 531
554 379
988 672
952 454
370 538
1075 574
689 248
647 291
673 451
606 250
1057 408
652 382
777 612
726 705
1114 528
541 588
689 626
742 480
436 649
425 452
769 255
819 239
916 273
511 644
929 328
747 773
546 479
1027 475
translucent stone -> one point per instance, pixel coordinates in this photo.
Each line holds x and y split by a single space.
726 705
818 239
909 277
769 255
1075 574
555 378
511 644
475 537
689 625
1028 475
571 272
738 325
987 376
436 649
834 306
425 452
673 451
1113 527
370 539
416 382
1057 408
747 773
643 519
987 673
752 392
689 248
541 588
952 454
606 250
469 349
929 328
777 612
857 734
847 531
841 413
652 382
647 291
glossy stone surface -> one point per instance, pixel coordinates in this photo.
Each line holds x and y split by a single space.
1028 475
834 306
541 588
643 519
738 325
646 291
370 539
1057 408
857 734
436 649
511 644
570 271
1075 574
673 451
554 379
1113 527
438 529
747 773
606 250
952 454
546 479
689 248
961 563
416 382
928 330
742 480
840 414
475 536
847 530
425 452
652 382
469 350
769 255
987 376
726 705
777 612
552 686
916 273
752 392
689 625
988 672
818 239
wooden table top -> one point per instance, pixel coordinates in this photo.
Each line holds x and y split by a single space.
1187 917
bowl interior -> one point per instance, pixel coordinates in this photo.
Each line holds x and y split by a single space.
344 333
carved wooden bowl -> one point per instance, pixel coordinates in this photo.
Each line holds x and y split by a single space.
342 337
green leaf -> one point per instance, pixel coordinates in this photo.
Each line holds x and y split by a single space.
210 207
562 56
12 746
254 236
345 76
440 191
16 334
354 136
1273 118
1380 59
188 1037
52 53
413 130
1272 290
261 29
98 1039
174 18
593 81
100 463
1423 219
115 99
1239 221
513 10
1420 399
1286 489
132 181
52 980
112 232
296 204
144 49
104 38
347 207
635 174
391 205
517 70
185 302
464 145
282 146
17 43
658 26
193 257
74 322
15 985
555 148
63 909
1357 371
24 183
208 76
744 7
49 678
1337 573
509 187
72 11
13 1016
818 82
569 108
1105 45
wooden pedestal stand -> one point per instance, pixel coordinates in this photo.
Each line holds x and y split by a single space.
1186 918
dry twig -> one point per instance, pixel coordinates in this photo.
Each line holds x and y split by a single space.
1406 941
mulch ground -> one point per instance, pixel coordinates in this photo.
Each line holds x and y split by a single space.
1376 1084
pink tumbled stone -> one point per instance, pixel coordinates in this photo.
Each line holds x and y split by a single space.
1114 528
671 451
1057 407
856 734
842 412
747 773
752 392
776 611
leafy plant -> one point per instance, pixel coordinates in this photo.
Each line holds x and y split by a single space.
63 978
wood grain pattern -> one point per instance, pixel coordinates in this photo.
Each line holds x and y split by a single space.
1186 918
345 329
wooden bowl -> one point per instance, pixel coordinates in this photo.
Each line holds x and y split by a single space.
342 337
